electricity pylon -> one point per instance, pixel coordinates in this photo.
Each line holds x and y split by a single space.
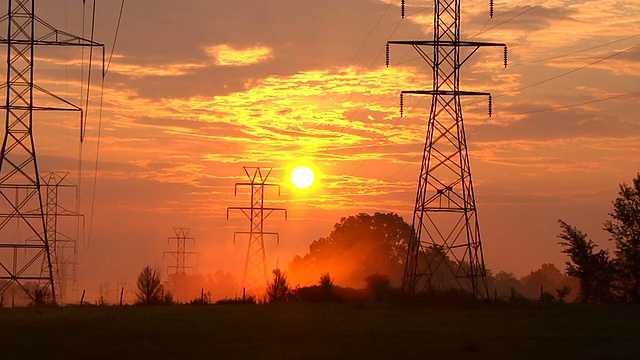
255 268
64 267
20 183
181 254
446 232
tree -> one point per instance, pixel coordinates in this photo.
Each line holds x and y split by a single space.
278 290
548 279
594 270
379 286
149 286
326 282
505 286
624 228
327 288
358 246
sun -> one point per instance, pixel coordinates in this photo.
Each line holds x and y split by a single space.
302 177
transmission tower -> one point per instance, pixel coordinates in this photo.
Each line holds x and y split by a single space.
20 182
64 267
180 254
446 234
255 268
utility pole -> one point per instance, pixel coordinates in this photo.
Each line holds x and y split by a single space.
255 268
180 254
446 231
20 182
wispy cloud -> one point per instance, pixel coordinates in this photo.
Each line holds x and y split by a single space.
225 55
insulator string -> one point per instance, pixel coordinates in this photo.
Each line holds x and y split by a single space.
505 55
388 51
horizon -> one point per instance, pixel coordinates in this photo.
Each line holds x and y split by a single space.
195 92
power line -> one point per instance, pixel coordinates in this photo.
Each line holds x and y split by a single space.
115 37
99 134
574 70
577 51
579 104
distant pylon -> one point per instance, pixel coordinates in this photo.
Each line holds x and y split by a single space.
255 268
180 254
64 267
446 231
20 184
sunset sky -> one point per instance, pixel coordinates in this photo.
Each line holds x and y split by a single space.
198 89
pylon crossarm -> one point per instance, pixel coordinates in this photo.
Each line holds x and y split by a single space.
269 211
443 43
445 92
60 38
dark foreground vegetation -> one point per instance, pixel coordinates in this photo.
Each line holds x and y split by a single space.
322 331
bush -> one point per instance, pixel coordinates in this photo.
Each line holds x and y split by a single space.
278 290
379 286
249 299
149 286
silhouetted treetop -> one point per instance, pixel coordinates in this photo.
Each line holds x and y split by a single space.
357 246
624 228
149 286
594 269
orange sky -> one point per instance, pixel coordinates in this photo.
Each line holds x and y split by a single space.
198 90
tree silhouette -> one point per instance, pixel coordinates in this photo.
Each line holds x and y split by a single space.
149 286
594 270
278 289
624 228
505 286
379 286
358 246
548 279
326 282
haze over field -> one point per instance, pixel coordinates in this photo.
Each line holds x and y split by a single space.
198 89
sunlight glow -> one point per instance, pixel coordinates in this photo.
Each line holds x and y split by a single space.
302 177
226 55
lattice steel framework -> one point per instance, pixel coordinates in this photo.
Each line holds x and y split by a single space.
255 268
64 267
20 183
181 254
446 232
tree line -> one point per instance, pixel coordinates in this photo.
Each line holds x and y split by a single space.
605 277
366 253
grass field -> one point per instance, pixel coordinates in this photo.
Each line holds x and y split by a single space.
321 331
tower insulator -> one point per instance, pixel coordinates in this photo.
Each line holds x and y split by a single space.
104 56
402 9
401 104
491 8
505 56
387 59
490 106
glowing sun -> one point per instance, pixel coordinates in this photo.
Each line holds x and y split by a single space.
302 177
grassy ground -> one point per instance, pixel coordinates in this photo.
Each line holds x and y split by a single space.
321 331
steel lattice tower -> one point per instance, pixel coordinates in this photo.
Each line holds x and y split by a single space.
64 268
446 233
20 183
181 254
255 268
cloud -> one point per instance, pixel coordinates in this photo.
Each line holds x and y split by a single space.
225 55
138 71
